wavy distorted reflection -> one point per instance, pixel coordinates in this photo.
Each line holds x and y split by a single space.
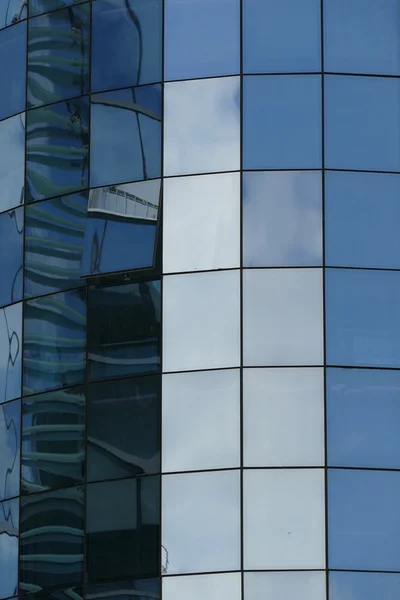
10 352
10 427
9 512
12 11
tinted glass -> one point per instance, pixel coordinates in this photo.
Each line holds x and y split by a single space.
361 215
36 7
58 55
124 330
202 126
57 149
188 25
11 255
53 440
216 586
70 593
12 168
282 122
282 586
362 36
281 36
12 68
10 352
54 239
123 529
123 428
54 341
362 121
9 511
363 586
364 520
10 437
362 317
126 43
282 219
125 142
121 227
51 545
12 12
140 589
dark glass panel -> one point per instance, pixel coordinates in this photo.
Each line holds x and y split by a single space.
54 240
13 70
37 7
123 428
12 164
125 141
10 351
51 544
126 43
363 586
124 330
53 440
54 341
58 55
9 511
123 529
57 149
70 593
139 589
11 255
10 436
12 11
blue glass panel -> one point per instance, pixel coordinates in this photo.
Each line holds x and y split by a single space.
282 122
202 38
125 141
362 123
10 352
58 55
364 520
9 512
12 11
362 36
54 341
362 211
10 436
11 255
283 36
13 70
126 43
37 7
363 586
12 164
54 238
363 412
363 318
57 149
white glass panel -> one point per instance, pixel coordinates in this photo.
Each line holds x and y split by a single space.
223 586
285 586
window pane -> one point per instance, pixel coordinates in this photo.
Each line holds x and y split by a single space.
12 69
363 586
54 341
125 142
140 589
53 440
9 512
195 403
37 7
362 121
124 330
282 317
362 36
282 219
12 165
362 318
202 126
10 352
12 12
121 227
126 43
281 36
188 25
284 586
221 586
201 327
123 529
10 439
201 522
11 255
201 222
364 520
287 508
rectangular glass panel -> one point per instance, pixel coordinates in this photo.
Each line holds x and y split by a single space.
9 524
10 440
363 586
12 69
295 585
216 586
12 164
11 255
10 351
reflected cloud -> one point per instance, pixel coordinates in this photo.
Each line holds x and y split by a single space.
12 168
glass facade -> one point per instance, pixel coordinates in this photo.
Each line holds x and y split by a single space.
199 299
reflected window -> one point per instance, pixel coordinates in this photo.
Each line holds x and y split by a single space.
202 126
216 586
13 11
125 141
362 123
282 219
9 523
300 585
13 69
124 330
54 240
10 352
54 341
12 164
11 255
51 544
282 122
139 589
58 55
10 438
53 440
362 318
126 43
57 149
201 522
121 227
188 25
123 529
363 586
282 36
37 7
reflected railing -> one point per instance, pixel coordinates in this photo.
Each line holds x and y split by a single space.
119 202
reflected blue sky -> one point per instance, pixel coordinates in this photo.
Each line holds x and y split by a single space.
12 68
11 255
12 169
364 586
10 352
